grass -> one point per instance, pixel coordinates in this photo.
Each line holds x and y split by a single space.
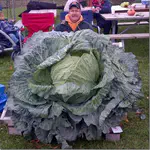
135 132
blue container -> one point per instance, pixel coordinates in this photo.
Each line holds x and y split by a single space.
2 89
3 99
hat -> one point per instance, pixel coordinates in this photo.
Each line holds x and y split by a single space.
74 4
0 7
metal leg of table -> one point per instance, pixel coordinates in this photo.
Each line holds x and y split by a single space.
113 29
123 45
131 26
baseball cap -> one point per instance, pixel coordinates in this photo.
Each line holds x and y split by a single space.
74 4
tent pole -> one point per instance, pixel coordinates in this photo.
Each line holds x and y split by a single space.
13 10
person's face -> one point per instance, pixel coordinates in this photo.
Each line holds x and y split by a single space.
2 15
74 14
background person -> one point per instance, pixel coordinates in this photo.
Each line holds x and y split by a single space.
2 17
102 7
9 28
73 20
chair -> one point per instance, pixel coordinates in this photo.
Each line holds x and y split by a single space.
36 22
87 15
7 44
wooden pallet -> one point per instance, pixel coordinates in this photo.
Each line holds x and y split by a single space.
11 129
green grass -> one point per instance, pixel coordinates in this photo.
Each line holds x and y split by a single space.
135 132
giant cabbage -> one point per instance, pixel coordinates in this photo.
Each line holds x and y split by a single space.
70 85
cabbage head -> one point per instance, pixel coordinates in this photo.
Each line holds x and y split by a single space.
70 85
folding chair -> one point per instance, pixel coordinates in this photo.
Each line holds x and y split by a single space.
87 15
3 45
36 22
7 44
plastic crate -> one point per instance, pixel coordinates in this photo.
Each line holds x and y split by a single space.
2 89
3 99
